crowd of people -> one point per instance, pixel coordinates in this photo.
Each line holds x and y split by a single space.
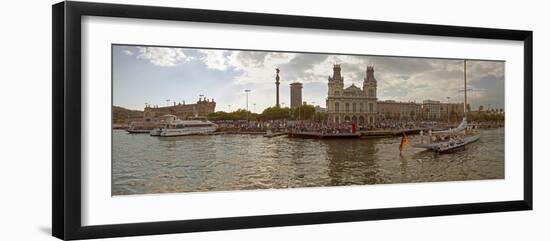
325 127
333 128
405 125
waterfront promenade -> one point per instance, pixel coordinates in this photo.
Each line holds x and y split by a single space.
313 129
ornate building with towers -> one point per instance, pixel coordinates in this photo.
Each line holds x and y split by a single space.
183 111
352 104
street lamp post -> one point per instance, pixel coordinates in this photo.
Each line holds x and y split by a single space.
448 104
247 91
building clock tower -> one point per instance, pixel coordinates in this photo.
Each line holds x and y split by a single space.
336 81
369 88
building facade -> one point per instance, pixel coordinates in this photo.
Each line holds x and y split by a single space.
319 109
351 104
393 110
453 111
432 109
435 110
295 95
202 108
361 105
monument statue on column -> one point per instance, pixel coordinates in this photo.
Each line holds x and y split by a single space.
277 85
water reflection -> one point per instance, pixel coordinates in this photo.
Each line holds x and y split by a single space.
145 164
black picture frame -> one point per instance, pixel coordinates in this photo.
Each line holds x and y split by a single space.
66 127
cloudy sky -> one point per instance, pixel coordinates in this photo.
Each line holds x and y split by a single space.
153 75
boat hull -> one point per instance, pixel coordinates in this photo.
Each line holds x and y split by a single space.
187 132
155 132
448 146
138 131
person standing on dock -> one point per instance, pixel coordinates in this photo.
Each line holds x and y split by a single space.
404 141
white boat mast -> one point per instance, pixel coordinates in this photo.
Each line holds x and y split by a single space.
465 91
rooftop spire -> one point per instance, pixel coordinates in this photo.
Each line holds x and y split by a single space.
370 75
336 73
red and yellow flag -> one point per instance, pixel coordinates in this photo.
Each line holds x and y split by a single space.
404 141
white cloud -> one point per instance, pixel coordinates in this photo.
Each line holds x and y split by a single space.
215 59
128 52
254 67
399 78
163 56
263 69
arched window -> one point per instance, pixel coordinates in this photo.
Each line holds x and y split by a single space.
347 107
354 107
372 93
336 107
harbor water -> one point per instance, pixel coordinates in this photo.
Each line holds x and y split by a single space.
143 164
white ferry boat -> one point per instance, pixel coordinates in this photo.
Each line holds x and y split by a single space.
176 127
163 124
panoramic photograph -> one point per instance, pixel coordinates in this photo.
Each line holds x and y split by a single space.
188 119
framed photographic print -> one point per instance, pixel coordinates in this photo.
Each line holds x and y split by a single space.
169 120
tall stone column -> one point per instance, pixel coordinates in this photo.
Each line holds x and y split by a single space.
277 85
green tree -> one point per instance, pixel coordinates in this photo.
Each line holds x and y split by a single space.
124 116
242 114
304 112
320 116
239 114
275 113
218 115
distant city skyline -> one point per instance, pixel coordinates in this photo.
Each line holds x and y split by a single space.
154 75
